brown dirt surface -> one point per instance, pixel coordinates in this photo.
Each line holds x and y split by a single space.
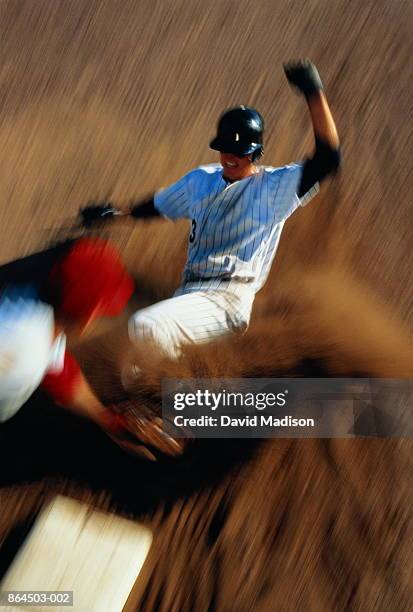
116 99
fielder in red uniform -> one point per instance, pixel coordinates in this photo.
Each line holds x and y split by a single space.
87 281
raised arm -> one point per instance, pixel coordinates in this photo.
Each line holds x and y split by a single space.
322 119
303 75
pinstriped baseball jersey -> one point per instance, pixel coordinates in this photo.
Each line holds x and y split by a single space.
236 227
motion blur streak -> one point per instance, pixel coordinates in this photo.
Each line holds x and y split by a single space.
106 99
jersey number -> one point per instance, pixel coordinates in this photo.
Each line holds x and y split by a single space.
192 234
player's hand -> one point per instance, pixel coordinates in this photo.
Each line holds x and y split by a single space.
303 75
136 427
116 427
96 213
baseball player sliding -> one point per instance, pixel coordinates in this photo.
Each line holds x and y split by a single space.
237 210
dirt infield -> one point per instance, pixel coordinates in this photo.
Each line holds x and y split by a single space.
106 99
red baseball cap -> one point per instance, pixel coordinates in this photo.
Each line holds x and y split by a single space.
91 280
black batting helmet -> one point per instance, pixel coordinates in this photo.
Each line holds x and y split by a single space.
240 131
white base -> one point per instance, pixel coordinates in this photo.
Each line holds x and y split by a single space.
72 547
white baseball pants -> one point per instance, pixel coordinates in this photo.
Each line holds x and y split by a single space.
192 318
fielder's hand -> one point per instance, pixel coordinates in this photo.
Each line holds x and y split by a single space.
303 75
116 427
98 212
135 428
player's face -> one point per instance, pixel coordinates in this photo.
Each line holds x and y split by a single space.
236 168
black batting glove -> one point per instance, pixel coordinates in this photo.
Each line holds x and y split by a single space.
97 212
303 75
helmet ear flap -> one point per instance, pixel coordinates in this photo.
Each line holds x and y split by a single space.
257 154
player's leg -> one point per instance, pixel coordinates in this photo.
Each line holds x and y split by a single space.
164 328
192 318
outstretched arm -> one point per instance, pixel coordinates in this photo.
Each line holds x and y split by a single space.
174 202
144 209
70 389
325 160
100 212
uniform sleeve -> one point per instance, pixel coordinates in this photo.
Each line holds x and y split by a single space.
174 202
283 187
61 385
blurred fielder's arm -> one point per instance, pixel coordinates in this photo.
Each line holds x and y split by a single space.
70 389
303 75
